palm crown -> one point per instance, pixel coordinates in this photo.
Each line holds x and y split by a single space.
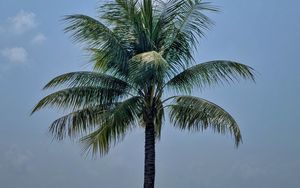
139 50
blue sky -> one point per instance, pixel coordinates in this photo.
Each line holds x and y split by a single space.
263 34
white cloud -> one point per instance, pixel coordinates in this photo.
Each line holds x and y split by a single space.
23 22
15 54
38 39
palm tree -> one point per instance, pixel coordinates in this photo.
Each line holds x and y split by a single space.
140 50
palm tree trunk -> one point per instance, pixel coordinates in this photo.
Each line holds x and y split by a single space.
149 168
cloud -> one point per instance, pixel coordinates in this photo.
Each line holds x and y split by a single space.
23 22
15 54
38 39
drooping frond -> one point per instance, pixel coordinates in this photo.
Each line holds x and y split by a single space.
80 122
196 114
80 97
85 29
87 79
209 73
92 32
118 122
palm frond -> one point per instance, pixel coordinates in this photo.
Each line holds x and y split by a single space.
164 32
87 79
189 25
80 122
209 73
126 18
119 121
192 20
196 114
95 34
119 12
166 12
85 29
147 16
80 97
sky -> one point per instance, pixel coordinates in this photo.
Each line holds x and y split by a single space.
262 34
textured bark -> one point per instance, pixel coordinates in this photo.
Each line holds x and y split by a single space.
149 168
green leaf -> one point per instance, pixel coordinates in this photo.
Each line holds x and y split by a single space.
119 121
96 35
128 20
189 25
147 16
166 12
90 79
210 73
90 31
80 122
196 114
80 97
